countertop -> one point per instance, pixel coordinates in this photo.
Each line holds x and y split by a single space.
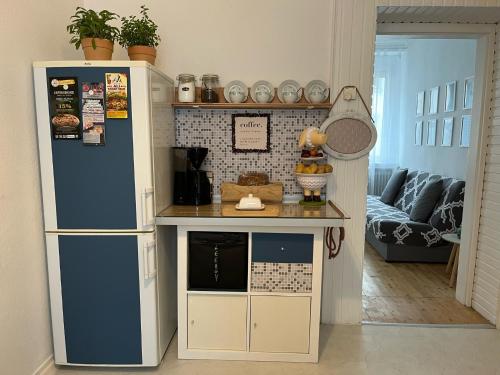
282 214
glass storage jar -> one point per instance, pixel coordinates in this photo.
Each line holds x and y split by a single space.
186 92
209 88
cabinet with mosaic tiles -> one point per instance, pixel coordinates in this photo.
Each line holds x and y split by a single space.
281 262
277 316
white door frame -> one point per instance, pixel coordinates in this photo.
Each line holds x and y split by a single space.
481 111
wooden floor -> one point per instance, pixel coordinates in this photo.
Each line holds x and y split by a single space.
411 293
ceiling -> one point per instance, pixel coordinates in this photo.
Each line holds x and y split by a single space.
460 14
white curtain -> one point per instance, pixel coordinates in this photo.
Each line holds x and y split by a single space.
387 109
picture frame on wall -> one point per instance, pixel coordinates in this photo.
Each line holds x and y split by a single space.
418 133
251 132
468 92
420 103
465 131
433 100
447 138
431 132
450 96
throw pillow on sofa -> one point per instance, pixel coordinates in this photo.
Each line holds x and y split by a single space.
393 186
426 201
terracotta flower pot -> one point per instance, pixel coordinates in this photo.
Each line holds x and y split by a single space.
103 49
142 53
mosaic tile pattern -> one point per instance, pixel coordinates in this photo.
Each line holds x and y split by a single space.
212 129
281 277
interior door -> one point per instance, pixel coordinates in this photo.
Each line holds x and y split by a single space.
94 185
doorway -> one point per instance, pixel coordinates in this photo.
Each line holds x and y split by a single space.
421 104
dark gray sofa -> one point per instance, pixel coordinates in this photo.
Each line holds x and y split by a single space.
398 239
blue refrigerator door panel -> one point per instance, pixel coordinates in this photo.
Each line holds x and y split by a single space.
101 299
94 185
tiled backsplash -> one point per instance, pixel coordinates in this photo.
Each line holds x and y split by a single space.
212 129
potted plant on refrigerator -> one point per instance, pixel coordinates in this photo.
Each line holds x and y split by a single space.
91 30
140 37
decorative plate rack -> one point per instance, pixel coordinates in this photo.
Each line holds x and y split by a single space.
249 103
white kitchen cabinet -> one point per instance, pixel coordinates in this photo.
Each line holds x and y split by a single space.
280 324
217 322
277 322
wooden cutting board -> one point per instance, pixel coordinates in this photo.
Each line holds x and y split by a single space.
231 192
271 210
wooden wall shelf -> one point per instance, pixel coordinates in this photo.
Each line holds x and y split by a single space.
249 104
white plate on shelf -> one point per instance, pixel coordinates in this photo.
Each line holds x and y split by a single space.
260 88
250 209
289 86
313 90
235 87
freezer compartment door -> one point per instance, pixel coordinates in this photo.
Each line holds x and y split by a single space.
104 187
104 299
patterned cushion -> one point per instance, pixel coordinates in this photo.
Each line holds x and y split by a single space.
425 203
413 185
447 216
391 225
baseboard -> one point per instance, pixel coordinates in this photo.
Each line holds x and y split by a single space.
430 325
47 367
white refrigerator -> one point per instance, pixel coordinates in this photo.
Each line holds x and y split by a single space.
105 132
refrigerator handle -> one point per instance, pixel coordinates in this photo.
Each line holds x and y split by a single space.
148 219
149 260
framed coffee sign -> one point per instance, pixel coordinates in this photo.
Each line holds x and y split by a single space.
251 133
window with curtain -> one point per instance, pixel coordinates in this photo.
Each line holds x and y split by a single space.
387 110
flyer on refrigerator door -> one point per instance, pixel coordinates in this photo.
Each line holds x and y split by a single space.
64 108
116 95
93 113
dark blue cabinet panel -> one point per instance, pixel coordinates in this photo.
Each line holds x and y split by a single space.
95 185
100 294
282 247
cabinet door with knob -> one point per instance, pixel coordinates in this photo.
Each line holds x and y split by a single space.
217 322
280 324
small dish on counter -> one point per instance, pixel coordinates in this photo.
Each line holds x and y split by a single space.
250 203
262 92
262 207
316 91
289 91
312 158
236 92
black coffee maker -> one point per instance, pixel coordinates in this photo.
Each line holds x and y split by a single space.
191 185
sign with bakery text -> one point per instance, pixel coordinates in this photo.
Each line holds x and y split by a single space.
251 133
93 113
116 95
64 108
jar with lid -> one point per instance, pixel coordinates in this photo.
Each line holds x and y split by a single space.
186 92
209 88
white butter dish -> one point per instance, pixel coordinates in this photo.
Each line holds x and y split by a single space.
250 203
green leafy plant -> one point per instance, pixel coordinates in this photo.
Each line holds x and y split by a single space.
86 23
139 31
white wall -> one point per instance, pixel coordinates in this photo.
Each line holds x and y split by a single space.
245 40
430 63
29 30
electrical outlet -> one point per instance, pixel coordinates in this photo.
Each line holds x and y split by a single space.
349 93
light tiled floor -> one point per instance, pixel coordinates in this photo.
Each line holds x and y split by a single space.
380 350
